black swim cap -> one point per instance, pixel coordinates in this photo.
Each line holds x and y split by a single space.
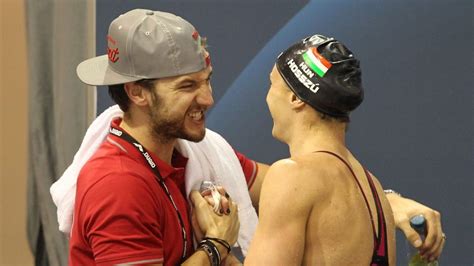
323 73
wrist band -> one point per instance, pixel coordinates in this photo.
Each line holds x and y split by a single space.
391 191
211 251
220 241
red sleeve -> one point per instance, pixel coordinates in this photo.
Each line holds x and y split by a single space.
249 167
121 221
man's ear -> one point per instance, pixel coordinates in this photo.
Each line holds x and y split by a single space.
296 103
136 93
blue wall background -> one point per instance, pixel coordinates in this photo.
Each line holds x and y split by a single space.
415 127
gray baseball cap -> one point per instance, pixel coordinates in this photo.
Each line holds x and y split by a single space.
146 44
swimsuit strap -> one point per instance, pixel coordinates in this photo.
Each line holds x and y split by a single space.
358 184
380 255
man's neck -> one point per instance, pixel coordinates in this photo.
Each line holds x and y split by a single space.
144 134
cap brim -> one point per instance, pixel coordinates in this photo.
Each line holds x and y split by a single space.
96 72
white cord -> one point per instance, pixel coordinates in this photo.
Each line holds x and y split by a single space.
216 196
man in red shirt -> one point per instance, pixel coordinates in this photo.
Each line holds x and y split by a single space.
130 202
130 205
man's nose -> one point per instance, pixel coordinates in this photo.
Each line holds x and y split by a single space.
205 96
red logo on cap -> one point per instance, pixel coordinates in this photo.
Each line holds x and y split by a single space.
207 57
111 52
111 40
195 35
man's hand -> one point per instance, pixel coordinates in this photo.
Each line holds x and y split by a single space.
210 224
223 198
403 210
223 208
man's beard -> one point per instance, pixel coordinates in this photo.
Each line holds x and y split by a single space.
167 126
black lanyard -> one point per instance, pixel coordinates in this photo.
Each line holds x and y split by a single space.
125 136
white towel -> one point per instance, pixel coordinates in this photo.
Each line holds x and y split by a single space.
214 159
63 191
211 159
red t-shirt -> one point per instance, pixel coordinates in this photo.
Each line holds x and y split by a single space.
122 215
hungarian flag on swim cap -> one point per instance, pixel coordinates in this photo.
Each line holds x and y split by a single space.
316 62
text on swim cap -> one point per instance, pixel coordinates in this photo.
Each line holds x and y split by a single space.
300 75
306 70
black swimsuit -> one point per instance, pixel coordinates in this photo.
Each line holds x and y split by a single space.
380 255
